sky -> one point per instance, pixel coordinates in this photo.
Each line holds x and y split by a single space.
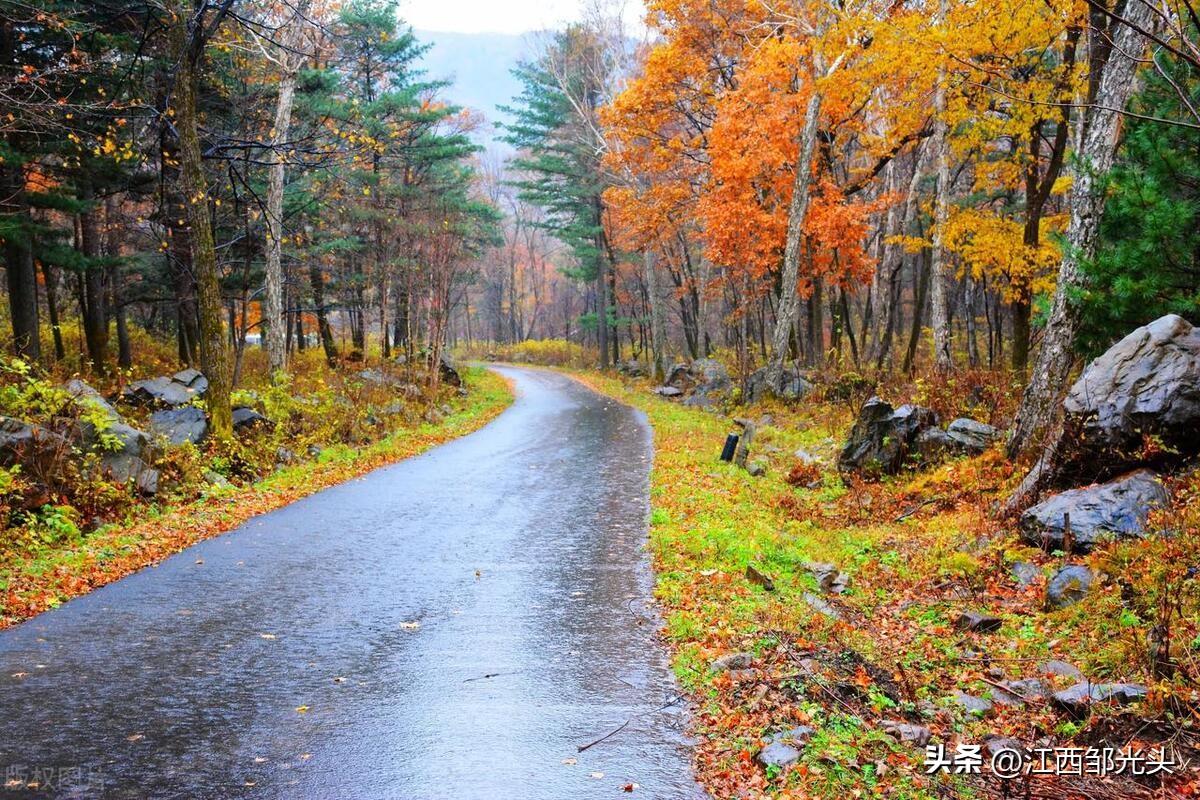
500 16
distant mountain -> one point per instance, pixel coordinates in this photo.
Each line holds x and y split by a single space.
480 65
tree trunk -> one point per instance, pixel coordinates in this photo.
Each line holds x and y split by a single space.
95 313
116 294
317 280
1038 412
602 305
943 357
19 268
51 282
214 350
658 328
797 212
273 324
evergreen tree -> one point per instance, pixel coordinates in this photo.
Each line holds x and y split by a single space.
1148 263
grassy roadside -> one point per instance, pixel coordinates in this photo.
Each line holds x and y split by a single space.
31 584
918 550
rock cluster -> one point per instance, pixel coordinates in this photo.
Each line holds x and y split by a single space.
886 440
703 383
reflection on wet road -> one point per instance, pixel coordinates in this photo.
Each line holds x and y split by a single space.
453 626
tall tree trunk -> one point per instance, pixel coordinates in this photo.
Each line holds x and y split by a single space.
19 268
214 349
317 279
658 328
921 277
51 281
273 323
943 357
1038 412
602 305
95 313
116 294
797 212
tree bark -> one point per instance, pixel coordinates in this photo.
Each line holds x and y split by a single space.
116 294
317 280
95 313
214 350
272 316
943 356
658 328
19 268
1038 412
797 212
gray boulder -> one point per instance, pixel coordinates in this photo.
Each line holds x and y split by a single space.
884 439
732 661
972 437
668 391
792 385
1147 384
1068 586
632 368
1080 697
449 371
906 733
710 381
829 578
1117 509
1060 669
978 622
28 444
166 392
1025 573
783 749
971 704
180 425
84 395
245 419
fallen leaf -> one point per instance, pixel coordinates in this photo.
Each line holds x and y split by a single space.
410 626
597 775
267 635
629 787
570 762
302 709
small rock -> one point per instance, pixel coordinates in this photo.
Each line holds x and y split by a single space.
1025 573
777 754
284 456
1060 669
756 469
755 576
1080 697
977 622
906 733
829 579
972 437
996 743
245 418
732 661
314 451
972 704
216 479
1029 688
668 391
783 749
820 606
1068 586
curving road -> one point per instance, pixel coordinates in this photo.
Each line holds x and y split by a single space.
452 626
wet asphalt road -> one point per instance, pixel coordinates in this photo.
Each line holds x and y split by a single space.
453 625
